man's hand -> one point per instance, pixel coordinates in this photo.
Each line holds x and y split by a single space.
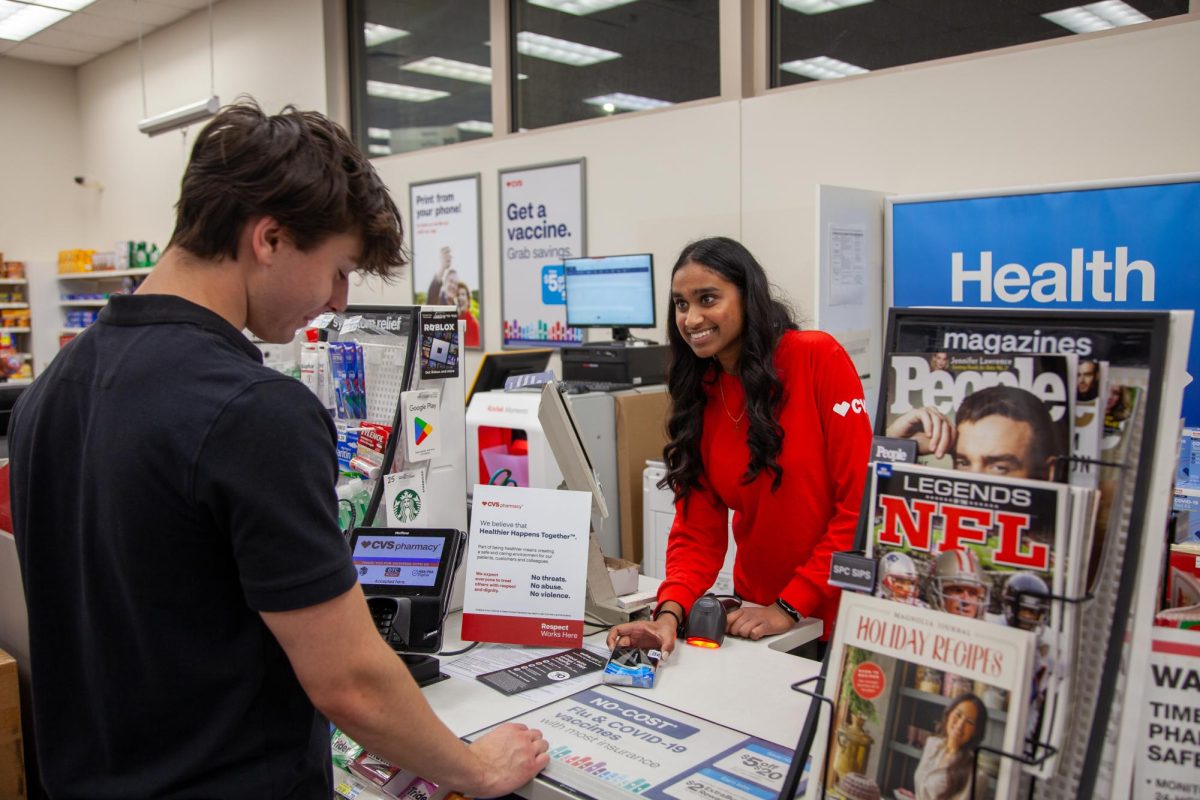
755 622
511 756
928 427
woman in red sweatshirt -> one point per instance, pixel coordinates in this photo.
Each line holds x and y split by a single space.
767 421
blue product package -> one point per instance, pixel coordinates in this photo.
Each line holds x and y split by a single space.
360 382
347 447
632 666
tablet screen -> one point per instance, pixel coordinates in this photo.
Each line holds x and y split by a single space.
402 562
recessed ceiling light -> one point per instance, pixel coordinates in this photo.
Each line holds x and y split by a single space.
19 21
626 102
379 133
819 6
538 45
398 91
579 8
475 126
821 68
379 150
376 34
1096 16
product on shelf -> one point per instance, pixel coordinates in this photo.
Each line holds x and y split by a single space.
12 270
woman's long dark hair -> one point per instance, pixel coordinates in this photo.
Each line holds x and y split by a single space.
959 772
764 320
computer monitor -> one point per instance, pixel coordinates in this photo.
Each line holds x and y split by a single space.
496 368
610 292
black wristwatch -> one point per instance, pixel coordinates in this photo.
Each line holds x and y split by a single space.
786 608
658 612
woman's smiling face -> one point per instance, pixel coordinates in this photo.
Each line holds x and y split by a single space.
708 313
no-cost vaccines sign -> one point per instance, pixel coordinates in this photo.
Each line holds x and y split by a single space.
605 741
526 575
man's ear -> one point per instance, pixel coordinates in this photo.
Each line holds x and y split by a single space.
266 238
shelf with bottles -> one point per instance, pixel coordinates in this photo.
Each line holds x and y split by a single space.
87 279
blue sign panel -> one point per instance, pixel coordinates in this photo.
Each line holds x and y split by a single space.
1127 247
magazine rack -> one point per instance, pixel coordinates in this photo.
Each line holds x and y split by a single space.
1042 751
1096 759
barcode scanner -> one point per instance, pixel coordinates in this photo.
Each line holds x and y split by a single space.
706 621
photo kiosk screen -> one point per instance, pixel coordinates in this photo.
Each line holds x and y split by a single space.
610 292
404 562
496 368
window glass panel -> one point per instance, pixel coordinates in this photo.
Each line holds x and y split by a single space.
421 73
582 59
822 39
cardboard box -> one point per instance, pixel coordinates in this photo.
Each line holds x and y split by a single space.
623 574
12 753
641 434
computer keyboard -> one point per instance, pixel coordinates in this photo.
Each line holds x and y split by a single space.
579 387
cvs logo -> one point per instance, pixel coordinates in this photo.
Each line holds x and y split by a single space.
856 405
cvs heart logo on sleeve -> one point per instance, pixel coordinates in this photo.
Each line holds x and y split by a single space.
841 408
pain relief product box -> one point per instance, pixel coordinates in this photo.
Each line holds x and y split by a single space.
12 754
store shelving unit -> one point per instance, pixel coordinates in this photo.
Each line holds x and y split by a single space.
94 282
20 333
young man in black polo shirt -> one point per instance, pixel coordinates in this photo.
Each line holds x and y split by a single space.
190 596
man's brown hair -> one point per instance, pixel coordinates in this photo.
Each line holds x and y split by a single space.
298 167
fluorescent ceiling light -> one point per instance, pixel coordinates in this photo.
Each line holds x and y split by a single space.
819 6
379 133
821 68
539 45
449 68
398 91
475 126
1096 16
180 117
376 34
19 21
627 102
579 8
379 150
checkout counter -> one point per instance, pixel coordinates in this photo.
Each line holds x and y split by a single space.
738 698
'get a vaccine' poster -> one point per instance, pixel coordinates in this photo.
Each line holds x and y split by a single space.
541 223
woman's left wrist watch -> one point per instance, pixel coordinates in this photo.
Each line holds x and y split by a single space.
786 608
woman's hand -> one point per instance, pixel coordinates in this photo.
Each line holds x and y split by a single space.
755 622
648 634
928 427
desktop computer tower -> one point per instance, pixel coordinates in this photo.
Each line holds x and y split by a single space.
638 364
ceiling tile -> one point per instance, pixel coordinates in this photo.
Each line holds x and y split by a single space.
49 55
69 40
152 15
190 5
96 25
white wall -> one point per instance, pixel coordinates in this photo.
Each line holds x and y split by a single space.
40 153
270 49
1109 106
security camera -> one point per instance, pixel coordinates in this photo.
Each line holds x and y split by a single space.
79 179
